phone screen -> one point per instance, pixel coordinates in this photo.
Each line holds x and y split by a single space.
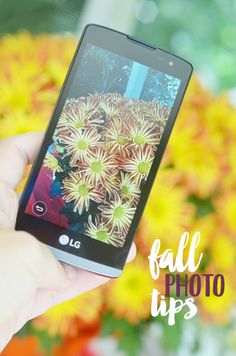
103 146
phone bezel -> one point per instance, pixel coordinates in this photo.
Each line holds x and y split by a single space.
96 256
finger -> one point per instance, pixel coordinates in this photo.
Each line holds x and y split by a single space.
15 153
33 267
31 255
48 271
8 206
84 282
81 282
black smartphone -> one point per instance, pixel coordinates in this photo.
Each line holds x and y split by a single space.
90 183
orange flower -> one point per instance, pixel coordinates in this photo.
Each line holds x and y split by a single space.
77 344
60 319
27 346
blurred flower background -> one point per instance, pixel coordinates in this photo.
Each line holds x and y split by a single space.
195 189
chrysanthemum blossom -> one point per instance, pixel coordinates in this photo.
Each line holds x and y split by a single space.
110 109
79 114
52 163
167 202
142 135
60 318
79 189
101 231
118 136
128 187
129 297
99 166
157 113
80 143
118 214
139 164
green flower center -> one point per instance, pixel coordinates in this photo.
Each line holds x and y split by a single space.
79 124
159 119
96 166
121 140
102 235
118 212
59 149
125 189
143 167
53 163
82 144
83 189
139 140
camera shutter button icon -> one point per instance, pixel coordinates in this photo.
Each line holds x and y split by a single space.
64 240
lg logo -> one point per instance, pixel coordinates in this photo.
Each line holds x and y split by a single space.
65 240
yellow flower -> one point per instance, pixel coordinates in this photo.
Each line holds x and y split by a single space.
226 207
58 60
26 83
232 163
219 118
16 94
86 307
21 82
202 140
56 70
218 309
206 225
228 181
194 101
129 297
194 160
20 122
18 46
201 153
167 214
223 252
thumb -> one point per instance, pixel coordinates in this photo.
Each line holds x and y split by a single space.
26 265
22 252
46 269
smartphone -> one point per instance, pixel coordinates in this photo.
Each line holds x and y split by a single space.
102 149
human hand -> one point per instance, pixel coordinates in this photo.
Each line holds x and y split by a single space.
31 279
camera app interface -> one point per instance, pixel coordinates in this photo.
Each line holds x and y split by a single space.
103 146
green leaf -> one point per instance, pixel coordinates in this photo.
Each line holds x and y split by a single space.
46 342
172 334
204 205
129 336
26 330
